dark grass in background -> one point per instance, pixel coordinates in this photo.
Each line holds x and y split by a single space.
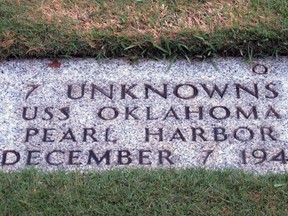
143 28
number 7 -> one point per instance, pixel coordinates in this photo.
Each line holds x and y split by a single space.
34 87
209 152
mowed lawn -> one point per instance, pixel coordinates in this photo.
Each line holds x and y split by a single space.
143 28
143 192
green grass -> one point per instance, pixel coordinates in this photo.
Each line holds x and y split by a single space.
143 192
143 28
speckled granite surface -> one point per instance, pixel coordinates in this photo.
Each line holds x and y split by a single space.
96 115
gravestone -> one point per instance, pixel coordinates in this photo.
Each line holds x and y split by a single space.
97 115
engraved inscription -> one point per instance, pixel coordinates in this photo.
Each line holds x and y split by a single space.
182 119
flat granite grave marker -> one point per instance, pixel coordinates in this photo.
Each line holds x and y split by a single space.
95 115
